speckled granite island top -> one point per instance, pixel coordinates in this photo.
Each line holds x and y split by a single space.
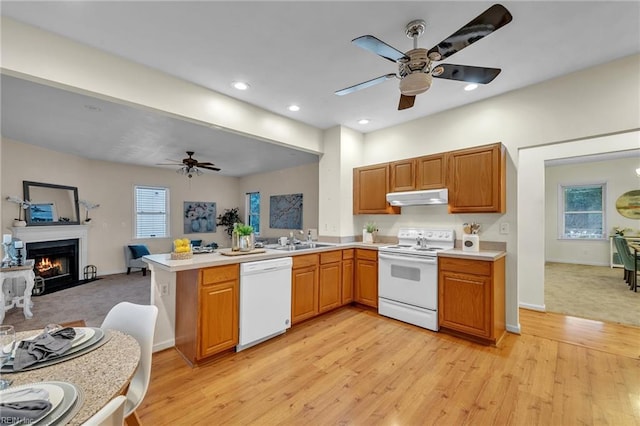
100 375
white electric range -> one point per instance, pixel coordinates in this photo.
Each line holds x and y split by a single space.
408 275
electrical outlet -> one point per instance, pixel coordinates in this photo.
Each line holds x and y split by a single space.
504 228
164 289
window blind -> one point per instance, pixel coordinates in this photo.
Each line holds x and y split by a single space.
151 212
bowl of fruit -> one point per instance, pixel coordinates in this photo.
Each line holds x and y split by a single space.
181 249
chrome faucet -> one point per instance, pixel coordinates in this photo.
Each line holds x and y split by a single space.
292 236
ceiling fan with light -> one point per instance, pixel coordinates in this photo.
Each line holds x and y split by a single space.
190 166
415 67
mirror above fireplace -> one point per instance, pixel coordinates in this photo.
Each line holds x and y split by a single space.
51 204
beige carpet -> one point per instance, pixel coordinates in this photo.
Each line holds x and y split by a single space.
89 302
593 292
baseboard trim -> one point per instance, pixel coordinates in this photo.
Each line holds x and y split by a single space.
513 328
540 308
161 346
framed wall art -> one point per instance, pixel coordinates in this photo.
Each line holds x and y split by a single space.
199 217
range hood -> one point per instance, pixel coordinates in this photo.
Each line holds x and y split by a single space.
415 198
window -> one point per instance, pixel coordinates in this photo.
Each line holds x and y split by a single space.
582 211
152 218
253 211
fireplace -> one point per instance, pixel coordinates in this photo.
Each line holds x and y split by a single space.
56 262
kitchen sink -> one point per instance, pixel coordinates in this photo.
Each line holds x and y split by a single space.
298 247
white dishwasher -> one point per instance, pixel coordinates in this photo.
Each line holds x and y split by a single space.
265 300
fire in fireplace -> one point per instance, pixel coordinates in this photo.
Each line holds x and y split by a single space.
46 268
57 262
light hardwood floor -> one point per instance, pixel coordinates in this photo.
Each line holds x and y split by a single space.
354 367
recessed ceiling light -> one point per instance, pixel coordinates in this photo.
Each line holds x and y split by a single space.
470 87
240 85
363 121
294 108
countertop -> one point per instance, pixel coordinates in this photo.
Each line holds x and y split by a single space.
206 260
488 255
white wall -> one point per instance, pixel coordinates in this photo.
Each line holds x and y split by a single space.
111 185
301 179
567 108
531 209
619 176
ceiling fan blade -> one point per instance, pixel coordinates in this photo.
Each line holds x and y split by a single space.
406 102
484 24
169 164
364 84
217 169
466 73
206 163
379 47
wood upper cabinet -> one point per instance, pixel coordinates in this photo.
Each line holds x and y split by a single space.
348 273
370 187
330 287
366 277
428 172
431 172
403 175
471 298
207 303
477 179
304 287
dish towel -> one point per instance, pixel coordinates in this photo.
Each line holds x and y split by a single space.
23 412
43 347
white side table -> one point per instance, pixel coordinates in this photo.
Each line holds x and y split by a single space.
25 271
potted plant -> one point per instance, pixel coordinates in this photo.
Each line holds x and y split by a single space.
367 232
245 234
229 218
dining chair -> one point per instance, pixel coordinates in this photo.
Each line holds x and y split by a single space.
630 264
111 414
138 321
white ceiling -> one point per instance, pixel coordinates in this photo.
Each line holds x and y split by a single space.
290 52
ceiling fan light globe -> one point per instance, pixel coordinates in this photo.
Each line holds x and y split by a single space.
416 83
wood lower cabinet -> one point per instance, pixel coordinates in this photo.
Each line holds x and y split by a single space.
477 179
471 298
207 311
304 288
330 287
366 277
370 187
348 272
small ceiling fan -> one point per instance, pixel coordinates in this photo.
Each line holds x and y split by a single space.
190 166
415 67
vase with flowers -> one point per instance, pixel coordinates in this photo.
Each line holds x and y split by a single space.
22 205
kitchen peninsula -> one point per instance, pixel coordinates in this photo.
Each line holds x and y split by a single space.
165 273
324 278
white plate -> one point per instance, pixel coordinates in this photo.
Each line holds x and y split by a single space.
82 335
56 396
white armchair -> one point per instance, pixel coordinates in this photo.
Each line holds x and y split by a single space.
132 260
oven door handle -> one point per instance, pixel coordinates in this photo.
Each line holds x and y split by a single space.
409 258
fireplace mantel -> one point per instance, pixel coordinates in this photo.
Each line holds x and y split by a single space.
36 234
